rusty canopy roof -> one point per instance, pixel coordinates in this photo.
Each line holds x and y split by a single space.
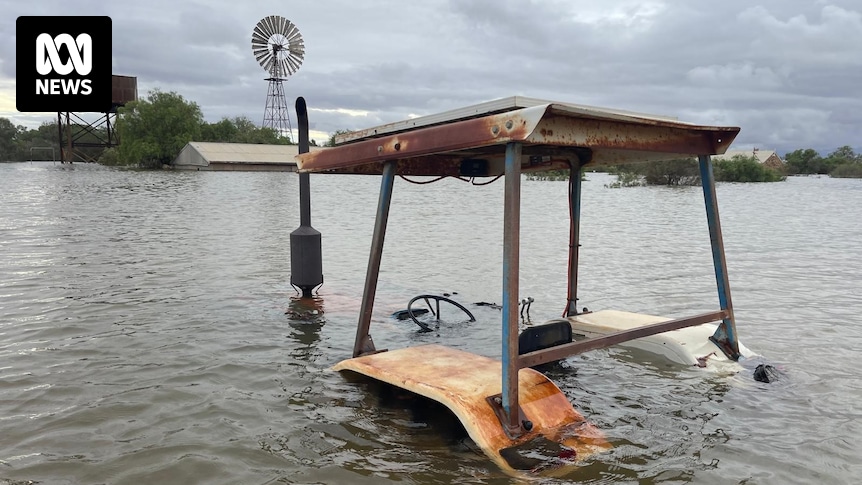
553 135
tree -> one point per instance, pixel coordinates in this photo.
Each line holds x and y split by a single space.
847 164
220 131
803 161
45 137
681 171
331 141
241 130
248 132
154 130
9 134
49 131
845 154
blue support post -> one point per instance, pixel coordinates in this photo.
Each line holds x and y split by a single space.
511 255
725 335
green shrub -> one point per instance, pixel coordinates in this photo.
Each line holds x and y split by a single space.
626 179
110 157
744 169
686 171
681 171
847 170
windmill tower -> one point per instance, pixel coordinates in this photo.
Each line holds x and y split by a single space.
278 47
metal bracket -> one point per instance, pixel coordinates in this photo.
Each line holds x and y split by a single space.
725 347
525 426
367 346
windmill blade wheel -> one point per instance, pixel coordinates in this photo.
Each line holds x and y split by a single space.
277 46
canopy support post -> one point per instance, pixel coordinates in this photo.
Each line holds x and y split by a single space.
725 336
363 343
574 237
511 255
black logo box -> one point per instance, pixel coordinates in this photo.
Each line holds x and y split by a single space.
28 29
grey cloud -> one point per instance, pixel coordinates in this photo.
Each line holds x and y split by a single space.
787 71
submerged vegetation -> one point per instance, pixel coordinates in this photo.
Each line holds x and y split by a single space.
625 179
847 170
745 169
685 171
843 162
551 175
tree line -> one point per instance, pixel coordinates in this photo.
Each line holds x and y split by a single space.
843 162
19 144
152 131
686 171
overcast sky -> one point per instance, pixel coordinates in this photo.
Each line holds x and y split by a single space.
789 72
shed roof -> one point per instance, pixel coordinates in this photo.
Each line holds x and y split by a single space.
552 134
761 155
245 152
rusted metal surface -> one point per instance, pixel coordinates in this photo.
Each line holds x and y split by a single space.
363 343
544 130
562 351
463 381
505 417
574 238
124 89
648 135
81 140
467 134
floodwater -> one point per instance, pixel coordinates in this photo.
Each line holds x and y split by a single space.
149 334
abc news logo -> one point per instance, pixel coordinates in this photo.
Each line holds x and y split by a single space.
71 69
48 60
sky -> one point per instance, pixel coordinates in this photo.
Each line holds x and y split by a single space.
788 72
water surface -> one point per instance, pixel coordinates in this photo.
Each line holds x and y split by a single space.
149 334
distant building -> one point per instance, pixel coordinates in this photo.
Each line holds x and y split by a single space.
766 157
198 155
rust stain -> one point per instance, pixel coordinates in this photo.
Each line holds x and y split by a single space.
420 151
652 136
465 134
462 381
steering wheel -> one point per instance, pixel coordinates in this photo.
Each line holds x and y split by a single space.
437 300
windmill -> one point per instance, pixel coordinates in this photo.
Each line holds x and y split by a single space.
278 47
